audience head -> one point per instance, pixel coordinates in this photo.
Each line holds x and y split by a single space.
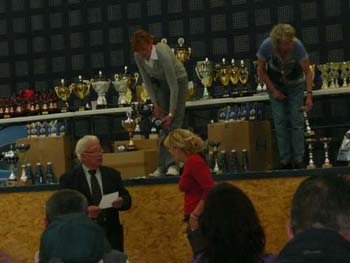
231 227
142 42
184 141
322 202
89 151
282 36
64 202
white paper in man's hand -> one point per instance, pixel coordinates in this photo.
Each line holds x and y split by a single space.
107 200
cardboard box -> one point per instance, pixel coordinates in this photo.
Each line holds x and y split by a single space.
134 163
57 150
141 144
255 136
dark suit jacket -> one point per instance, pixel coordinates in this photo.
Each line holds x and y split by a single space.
111 182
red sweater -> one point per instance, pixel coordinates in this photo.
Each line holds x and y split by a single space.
195 182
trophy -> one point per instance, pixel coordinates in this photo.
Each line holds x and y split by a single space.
63 93
129 125
223 74
204 71
344 150
81 90
243 76
141 93
310 142
233 73
234 163
214 145
11 158
334 74
326 141
324 75
183 54
313 69
345 73
308 131
244 160
22 150
101 87
123 84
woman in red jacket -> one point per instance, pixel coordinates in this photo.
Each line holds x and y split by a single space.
195 180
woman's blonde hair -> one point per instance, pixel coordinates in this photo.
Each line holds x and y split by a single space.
185 140
281 32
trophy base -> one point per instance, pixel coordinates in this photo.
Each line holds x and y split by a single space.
327 165
131 148
311 166
6 116
81 108
64 110
11 183
101 106
44 113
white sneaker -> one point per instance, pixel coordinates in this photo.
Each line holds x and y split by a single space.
156 173
172 171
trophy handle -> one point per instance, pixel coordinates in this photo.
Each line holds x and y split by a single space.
116 77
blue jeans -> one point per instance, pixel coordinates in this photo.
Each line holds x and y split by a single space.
289 123
163 97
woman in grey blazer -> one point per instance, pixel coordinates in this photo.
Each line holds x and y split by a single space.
166 81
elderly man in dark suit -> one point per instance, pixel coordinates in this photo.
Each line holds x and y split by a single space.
94 181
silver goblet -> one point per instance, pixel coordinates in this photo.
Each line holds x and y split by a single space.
326 141
310 142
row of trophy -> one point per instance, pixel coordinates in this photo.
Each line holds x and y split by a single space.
311 141
224 74
29 102
244 111
46 129
124 84
335 74
221 162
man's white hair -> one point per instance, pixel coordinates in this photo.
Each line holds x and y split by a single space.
80 147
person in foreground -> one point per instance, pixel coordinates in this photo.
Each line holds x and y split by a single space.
70 236
320 222
195 180
231 228
283 65
93 180
166 82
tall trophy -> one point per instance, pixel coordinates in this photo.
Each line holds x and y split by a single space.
63 93
223 74
204 71
141 93
234 77
129 125
81 90
308 131
124 84
101 87
243 76
324 69
181 52
310 142
326 141
345 73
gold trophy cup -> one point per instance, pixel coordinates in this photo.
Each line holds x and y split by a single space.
81 90
63 93
129 125
183 54
243 73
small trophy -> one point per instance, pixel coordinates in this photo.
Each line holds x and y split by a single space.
183 54
234 163
11 158
345 73
215 148
22 150
243 76
326 141
204 71
324 75
334 74
63 93
81 90
310 142
245 160
129 125
101 87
